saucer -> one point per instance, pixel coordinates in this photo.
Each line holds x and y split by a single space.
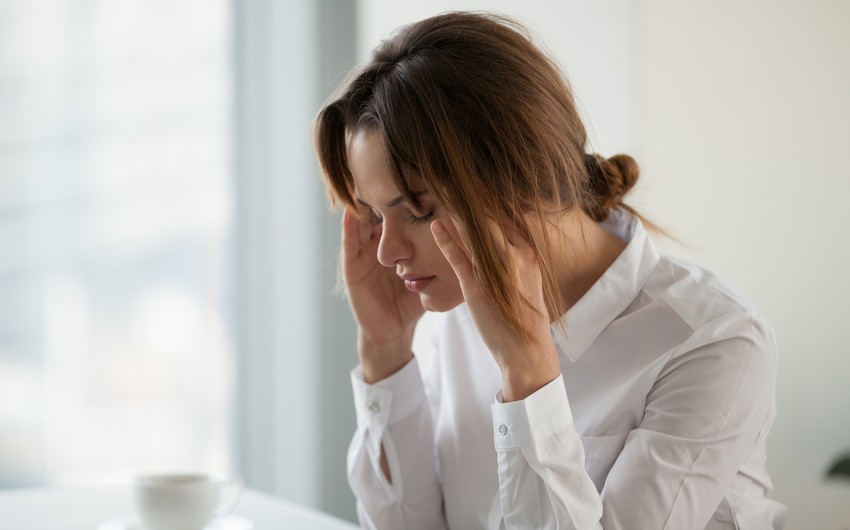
229 522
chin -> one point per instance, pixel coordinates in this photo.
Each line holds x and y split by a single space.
440 304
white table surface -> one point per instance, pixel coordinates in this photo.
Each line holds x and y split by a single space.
84 508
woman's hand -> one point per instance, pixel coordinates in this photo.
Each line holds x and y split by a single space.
385 311
527 365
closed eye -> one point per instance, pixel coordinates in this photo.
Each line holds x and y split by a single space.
417 220
422 220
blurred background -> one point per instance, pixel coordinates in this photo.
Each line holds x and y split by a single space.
167 257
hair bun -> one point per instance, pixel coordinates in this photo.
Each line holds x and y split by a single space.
610 180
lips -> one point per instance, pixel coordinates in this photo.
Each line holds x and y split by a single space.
416 283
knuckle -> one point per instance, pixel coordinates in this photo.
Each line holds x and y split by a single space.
455 255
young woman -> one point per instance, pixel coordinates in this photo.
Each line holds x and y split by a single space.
579 378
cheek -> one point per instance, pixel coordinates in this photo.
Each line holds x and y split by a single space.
441 267
430 253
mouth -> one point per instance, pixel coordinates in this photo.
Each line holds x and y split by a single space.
416 283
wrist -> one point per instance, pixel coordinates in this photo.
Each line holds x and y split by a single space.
379 360
521 381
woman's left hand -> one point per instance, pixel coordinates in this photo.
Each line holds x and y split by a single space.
526 365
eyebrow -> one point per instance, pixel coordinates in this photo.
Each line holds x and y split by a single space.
395 202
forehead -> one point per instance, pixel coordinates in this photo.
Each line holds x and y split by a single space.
365 149
369 164
374 179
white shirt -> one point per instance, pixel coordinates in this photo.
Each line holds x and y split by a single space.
659 421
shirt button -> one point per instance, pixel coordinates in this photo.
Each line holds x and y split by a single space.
503 430
374 407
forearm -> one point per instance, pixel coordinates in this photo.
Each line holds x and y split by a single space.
540 451
380 360
391 458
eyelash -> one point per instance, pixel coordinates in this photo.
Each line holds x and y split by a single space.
425 219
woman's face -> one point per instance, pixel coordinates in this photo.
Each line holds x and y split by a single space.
406 243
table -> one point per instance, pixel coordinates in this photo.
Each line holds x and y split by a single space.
84 508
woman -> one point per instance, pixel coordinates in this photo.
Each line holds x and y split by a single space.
580 379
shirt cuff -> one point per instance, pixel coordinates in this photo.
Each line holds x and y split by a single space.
390 400
535 418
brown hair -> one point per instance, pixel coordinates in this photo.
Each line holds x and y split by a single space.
469 105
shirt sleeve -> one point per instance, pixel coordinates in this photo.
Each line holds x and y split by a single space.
542 480
394 414
712 402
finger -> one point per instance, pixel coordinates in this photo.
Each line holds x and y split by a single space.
350 243
509 240
365 226
454 253
457 230
514 237
499 237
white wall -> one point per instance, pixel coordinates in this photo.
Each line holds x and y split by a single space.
595 42
745 137
738 113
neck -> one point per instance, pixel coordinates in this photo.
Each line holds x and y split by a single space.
580 252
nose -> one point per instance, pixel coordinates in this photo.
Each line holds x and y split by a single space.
394 245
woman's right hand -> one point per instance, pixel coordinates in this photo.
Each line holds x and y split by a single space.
385 311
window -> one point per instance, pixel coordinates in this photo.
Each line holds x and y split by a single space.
116 351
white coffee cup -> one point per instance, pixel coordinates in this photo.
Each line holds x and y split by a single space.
186 501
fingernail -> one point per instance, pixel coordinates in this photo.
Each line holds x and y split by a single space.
437 227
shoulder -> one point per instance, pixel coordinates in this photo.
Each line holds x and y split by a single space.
721 321
722 369
696 295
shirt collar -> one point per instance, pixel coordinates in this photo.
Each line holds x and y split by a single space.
613 292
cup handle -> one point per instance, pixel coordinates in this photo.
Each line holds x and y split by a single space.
229 491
